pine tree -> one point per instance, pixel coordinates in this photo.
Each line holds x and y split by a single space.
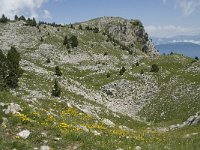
142 71
65 40
57 71
122 70
196 58
34 23
48 60
96 30
22 18
56 91
16 18
137 63
14 71
71 26
80 27
3 71
74 41
4 19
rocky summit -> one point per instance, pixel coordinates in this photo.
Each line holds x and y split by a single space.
98 84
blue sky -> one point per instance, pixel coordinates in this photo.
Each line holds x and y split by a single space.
161 18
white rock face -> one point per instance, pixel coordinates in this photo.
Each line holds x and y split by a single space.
44 148
96 133
84 128
12 109
108 123
138 148
24 134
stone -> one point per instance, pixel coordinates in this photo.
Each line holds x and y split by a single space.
24 134
138 148
96 133
2 104
108 123
126 128
193 120
196 121
13 109
44 147
84 128
57 139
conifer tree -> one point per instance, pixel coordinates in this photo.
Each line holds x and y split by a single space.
57 71
16 18
56 91
48 60
3 71
22 18
65 40
4 19
122 70
14 71
34 23
74 41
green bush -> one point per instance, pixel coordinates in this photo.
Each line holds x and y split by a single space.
80 27
48 60
154 68
108 75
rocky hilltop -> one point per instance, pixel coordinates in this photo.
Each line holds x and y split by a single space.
117 92
130 33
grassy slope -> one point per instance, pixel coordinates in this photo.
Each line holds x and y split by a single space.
49 119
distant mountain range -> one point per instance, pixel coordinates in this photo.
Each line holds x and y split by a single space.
181 38
186 45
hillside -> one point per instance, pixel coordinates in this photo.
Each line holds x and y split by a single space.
101 105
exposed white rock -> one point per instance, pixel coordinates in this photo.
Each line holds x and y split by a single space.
24 134
44 147
108 123
84 128
126 128
138 148
96 133
13 109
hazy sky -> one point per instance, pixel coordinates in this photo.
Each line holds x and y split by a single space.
161 18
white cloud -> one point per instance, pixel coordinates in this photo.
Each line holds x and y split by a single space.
188 6
170 30
25 7
47 14
190 41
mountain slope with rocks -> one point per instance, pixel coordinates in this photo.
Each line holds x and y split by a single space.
112 97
